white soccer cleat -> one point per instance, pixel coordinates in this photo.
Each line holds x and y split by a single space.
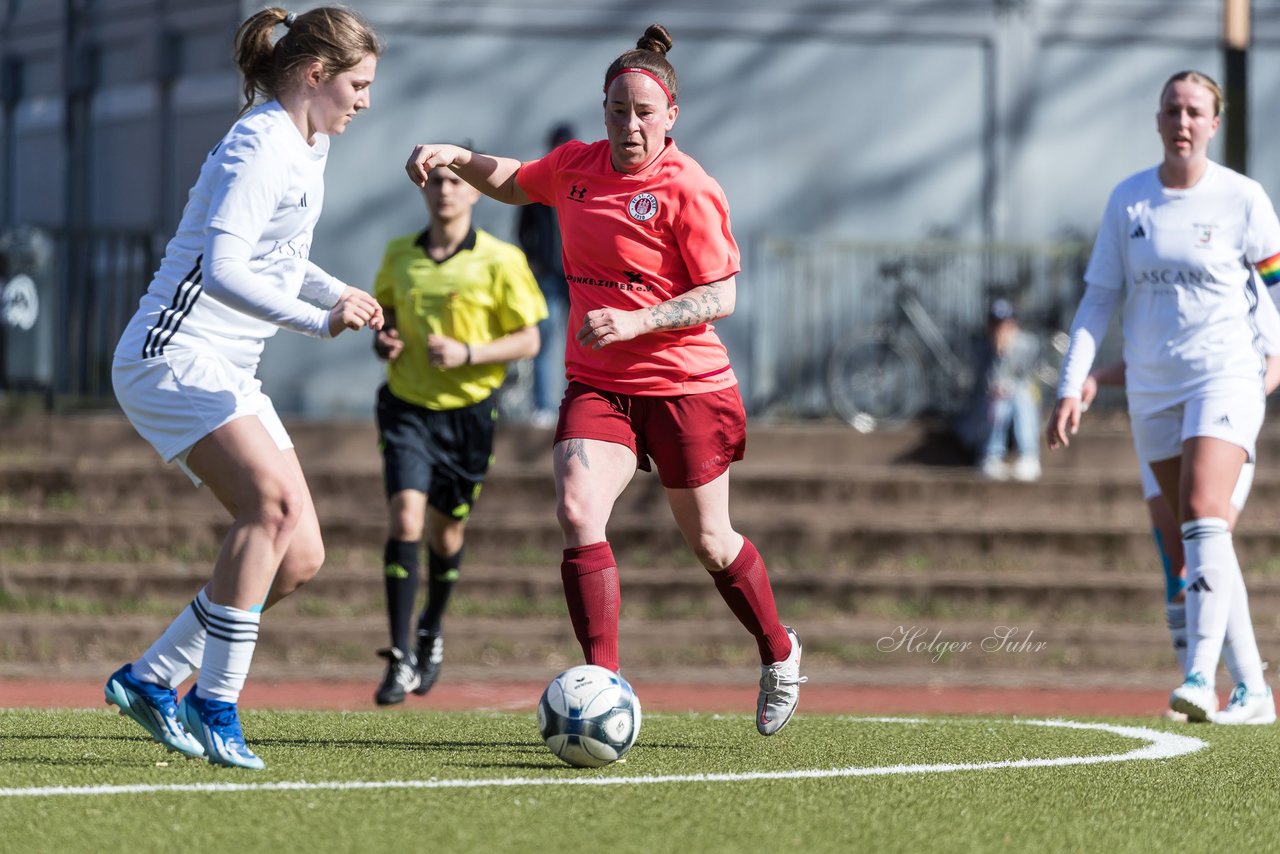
1246 707
1194 698
779 690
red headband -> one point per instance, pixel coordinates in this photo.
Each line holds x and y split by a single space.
648 74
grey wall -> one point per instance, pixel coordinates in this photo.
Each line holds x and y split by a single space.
892 121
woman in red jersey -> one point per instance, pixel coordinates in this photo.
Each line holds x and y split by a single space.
651 262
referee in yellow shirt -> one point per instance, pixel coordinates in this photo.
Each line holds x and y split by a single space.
459 304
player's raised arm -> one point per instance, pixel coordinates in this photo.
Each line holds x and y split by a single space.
493 176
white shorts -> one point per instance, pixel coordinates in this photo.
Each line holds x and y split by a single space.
177 399
1239 495
1233 418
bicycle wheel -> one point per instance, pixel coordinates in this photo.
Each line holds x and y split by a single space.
515 396
875 381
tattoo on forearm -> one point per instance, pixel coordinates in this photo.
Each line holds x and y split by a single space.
576 448
700 305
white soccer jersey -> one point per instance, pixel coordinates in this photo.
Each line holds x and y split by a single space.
264 184
1182 259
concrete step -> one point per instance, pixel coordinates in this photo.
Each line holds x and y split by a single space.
97 487
1103 444
308 645
796 539
1085 596
94 485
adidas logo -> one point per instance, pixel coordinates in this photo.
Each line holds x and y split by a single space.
1200 586
1138 232
1225 420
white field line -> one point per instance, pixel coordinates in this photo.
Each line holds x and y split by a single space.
1159 745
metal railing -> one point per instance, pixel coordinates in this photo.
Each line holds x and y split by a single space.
810 294
87 285
806 295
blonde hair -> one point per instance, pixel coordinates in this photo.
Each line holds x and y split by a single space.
334 36
1219 103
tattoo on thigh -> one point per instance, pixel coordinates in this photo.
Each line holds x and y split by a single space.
576 448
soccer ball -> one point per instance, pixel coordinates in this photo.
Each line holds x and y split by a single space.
589 716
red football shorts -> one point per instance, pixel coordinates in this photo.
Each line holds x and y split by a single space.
692 438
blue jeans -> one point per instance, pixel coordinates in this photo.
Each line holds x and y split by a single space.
548 366
1022 411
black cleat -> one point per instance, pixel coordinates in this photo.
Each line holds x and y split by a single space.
430 655
402 675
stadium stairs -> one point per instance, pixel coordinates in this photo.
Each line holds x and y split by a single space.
898 565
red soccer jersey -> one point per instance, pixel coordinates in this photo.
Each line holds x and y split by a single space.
633 240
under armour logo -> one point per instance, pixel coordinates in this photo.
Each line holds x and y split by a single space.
1138 232
1200 586
577 194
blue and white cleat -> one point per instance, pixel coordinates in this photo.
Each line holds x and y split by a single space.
216 725
1245 707
1195 699
154 708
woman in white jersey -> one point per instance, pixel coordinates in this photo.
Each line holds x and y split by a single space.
1179 245
1164 529
184 372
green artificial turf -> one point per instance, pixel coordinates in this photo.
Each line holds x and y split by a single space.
463 782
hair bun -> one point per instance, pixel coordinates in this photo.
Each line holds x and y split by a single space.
655 39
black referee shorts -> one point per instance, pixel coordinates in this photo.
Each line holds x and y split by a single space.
443 453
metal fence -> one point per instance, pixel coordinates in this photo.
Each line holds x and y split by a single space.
806 296
813 293
86 287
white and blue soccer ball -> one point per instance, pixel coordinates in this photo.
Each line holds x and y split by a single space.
589 716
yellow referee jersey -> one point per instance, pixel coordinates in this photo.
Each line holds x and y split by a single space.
480 293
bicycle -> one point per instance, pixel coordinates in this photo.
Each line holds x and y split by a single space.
515 396
905 366
877 378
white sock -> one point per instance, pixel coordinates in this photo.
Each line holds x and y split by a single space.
1240 641
233 635
1175 614
1211 568
177 652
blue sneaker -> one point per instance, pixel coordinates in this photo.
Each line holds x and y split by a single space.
1194 698
216 725
153 707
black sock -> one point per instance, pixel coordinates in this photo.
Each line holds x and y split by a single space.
400 574
442 574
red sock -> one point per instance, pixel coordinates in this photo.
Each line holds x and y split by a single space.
590 577
745 587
